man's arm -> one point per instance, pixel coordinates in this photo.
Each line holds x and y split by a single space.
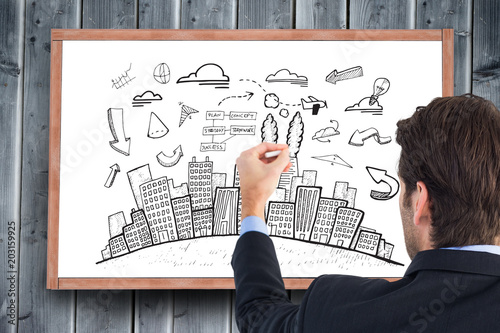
262 304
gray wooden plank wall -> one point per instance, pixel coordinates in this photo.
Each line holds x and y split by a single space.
24 132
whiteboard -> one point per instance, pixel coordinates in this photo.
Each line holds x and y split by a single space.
150 131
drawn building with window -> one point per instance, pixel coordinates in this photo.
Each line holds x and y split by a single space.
118 246
323 226
385 249
226 211
158 210
200 183
203 222
183 215
236 183
280 218
306 207
346 225
368 242
356 236
106 253
137 234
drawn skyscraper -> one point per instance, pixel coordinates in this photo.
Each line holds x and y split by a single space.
137 234
344 192
183 216
280 219
346 225
226 211
158 209
306 207
200 183
368 242
236 183
203 222
136 177
323 226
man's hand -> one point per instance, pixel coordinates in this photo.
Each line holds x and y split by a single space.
259 176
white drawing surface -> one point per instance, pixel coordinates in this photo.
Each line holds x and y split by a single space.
150 132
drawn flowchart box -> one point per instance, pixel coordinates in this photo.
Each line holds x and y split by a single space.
236 115
214 130
212 146
242 130
215 115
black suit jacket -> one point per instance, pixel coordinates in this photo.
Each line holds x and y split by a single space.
442 291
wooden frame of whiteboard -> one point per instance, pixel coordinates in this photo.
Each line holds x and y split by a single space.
58 36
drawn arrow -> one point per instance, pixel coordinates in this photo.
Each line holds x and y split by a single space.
168 161
248 94
115 168
347 74
334 159
121 143
358 138
379 175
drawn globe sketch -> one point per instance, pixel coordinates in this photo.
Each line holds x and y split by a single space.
162 73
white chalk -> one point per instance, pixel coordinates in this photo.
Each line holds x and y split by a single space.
270 154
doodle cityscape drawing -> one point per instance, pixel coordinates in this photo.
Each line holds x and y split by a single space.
155 160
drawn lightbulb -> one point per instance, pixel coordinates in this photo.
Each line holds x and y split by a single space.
380 87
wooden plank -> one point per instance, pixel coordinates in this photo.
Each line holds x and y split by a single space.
448 62
208 14
381 14
263 14
154 311
97 311
159 14
109 14
38 306
104 311
486 52
202 311
11 81
254 34
321 14
457 15
54 165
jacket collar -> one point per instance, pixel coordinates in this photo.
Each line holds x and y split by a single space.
457 261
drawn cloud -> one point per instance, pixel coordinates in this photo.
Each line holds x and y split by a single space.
208 74
325 133
284 75
148 96
271 101
364 105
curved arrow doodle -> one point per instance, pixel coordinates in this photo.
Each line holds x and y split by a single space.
379 175
248 94
115 168
121 143
358 138
168 161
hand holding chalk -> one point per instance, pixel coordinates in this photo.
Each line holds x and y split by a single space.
270 154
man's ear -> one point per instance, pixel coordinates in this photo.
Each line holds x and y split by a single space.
422 203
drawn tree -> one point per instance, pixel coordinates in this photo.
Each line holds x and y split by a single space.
295 134
269 130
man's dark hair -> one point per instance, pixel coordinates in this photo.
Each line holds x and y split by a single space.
453 146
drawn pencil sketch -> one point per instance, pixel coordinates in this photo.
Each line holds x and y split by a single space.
116 124
333 159
147 97
346 74
123 79
324 134
313 104
381 176
156 129
161 73
358 138
269 129
371 104
208 74
115 168
168 161
285 76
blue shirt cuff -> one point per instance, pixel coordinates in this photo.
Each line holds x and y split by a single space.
253 223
